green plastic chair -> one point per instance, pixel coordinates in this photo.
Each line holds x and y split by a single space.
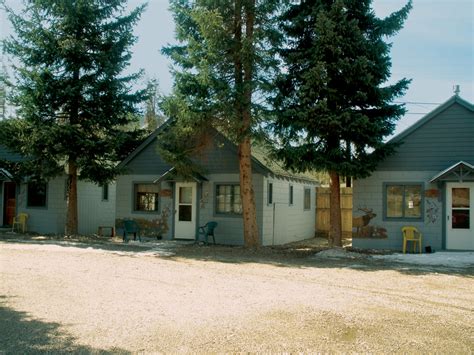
130 226
207 230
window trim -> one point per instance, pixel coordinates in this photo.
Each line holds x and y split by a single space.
291 195
134 199
305 188
404 184
269 193
105 192
225 214
45 207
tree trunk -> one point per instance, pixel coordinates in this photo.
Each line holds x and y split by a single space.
335 231
72 220
251 238
243 75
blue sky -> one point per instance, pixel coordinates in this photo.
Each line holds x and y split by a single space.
435 49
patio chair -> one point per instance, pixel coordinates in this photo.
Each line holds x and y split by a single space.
411 234
20 221
130 226
207 230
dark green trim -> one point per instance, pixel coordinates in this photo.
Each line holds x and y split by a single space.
443 216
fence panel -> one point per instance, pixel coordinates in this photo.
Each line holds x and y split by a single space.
323 205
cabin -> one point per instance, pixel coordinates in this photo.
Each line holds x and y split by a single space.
167 205
428 183
45 203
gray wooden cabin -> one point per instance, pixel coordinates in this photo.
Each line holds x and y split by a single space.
172 207
428 183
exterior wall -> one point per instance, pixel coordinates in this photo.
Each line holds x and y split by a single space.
230 228
285 223
436 145
50 219
92 210
369 193
125 201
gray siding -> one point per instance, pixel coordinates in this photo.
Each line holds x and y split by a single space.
220 157
369 193
441 142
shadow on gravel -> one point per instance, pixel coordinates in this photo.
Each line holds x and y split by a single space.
294 255
21 334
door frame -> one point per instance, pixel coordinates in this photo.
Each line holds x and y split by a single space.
448 208
190 233
4 200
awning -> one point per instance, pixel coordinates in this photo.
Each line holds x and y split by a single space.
173 175
5 175
460 171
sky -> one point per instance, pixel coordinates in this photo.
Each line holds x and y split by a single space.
435 49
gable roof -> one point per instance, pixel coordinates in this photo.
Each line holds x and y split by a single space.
6 154
259 156
461 171
428 117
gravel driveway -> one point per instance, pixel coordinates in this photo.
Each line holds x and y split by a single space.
57 297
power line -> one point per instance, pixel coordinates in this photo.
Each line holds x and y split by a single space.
416 103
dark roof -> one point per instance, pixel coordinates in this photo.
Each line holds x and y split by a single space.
428 117
6 154
260 157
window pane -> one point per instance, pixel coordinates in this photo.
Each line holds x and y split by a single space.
460 197
460 219
394 201
186 195
36 194
413 201
185 213
291 195
307 199
270 193
146 197
228 199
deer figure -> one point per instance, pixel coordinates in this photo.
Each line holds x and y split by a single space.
362 221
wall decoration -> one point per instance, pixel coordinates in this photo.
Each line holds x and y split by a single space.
432 211
362 226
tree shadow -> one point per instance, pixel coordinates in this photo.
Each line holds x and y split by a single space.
293 255
22 334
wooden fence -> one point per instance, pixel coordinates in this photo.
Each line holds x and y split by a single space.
323 204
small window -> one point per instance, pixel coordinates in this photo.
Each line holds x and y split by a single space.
270 193
146 197
307 198
105 192
291 196
36 194
228 199
403 201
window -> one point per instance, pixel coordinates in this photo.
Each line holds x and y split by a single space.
403 201
291 195
105 192
228 199
270 193
146 197
36 194
307 198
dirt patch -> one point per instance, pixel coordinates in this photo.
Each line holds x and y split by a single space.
90 298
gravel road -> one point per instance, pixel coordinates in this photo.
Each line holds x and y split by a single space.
60 298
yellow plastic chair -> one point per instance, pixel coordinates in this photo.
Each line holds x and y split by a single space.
411 234
20 221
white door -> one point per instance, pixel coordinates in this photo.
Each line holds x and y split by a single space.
460 216
185 207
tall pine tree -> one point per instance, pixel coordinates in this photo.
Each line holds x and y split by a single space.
334 107
224 61
71 95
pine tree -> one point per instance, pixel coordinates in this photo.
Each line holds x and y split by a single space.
71 95
223 62
152 117
334 106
